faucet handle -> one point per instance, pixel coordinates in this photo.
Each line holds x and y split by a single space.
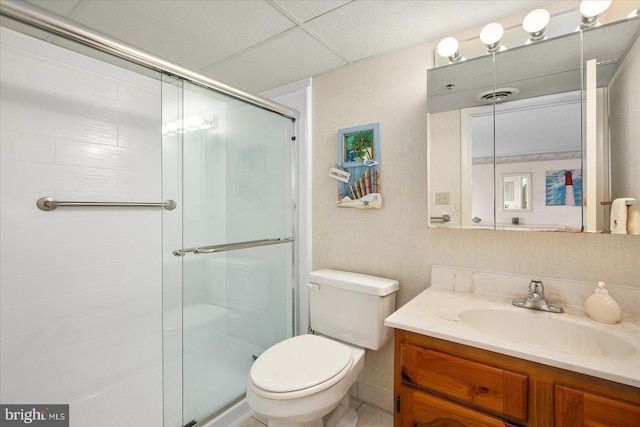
536 299
536 287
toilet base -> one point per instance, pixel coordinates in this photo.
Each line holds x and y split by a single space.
342 416
317 423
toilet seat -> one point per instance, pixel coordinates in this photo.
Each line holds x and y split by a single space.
300 366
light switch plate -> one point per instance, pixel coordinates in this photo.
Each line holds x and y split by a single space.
442 198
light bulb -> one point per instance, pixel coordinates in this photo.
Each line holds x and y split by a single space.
590 9
491 35
535 23
448 47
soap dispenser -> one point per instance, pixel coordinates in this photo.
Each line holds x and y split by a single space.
602 307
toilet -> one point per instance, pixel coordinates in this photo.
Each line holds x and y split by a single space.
304 381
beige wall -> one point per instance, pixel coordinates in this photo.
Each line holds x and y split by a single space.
394 241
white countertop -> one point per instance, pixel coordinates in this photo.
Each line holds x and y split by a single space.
435 313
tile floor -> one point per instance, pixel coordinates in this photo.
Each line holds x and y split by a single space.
368 416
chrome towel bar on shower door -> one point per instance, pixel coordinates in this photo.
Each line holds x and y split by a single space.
234 246
49 204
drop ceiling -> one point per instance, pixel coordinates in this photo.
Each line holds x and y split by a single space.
258 45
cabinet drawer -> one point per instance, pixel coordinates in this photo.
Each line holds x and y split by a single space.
486 387
425 409
576 408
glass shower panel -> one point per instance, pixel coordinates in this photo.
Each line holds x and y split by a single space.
237 187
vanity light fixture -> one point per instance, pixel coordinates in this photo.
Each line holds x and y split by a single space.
535 24
590 9
448 47
491 35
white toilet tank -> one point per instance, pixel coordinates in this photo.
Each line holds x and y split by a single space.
351 307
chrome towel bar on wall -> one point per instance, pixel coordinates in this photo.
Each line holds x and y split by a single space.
234 246
443 218
49 204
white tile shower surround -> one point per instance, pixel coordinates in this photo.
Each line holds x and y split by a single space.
368 416
81 300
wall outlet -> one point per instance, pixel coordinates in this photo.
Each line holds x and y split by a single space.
442 198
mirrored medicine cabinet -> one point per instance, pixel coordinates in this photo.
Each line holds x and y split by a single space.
537 137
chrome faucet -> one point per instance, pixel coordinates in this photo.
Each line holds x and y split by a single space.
536 300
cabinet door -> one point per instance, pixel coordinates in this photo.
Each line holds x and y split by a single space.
420 409
578 408
487 388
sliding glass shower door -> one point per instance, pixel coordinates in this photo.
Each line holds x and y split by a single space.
229 253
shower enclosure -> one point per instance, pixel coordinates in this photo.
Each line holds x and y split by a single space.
228 255
134 310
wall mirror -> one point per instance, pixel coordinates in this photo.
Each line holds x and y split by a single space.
527 110
515 192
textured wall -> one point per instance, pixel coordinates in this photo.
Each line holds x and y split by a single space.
395 241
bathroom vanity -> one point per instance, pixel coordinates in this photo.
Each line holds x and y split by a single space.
439 382
550 369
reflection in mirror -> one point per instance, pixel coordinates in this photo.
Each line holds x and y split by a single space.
547 77
613 126
540 135
516 192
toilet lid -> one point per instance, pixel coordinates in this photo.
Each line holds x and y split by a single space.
299 363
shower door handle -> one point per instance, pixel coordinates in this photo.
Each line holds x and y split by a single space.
234 246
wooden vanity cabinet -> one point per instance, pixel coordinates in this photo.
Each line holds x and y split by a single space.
421 409
439 383
577 408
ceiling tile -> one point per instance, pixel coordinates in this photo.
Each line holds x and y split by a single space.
61 7
305 10
286 59
253 44
191 33
358 30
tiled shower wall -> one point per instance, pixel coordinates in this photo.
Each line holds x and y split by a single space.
80 288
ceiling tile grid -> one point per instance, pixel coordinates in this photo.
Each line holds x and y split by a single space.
288 58
191 33
250 43
306 10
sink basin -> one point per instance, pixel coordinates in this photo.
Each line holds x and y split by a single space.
549 331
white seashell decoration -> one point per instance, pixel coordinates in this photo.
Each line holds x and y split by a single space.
602 307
